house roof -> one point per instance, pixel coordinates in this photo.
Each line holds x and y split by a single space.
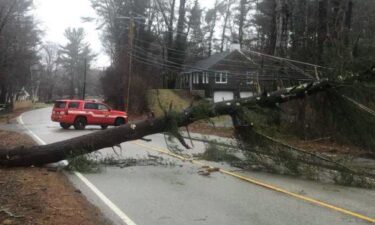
207 63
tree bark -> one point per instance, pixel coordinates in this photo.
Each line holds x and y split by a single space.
242 19
170 30
272 35
181 37
322 28
212 26
40 155
225 25
348 22
281 20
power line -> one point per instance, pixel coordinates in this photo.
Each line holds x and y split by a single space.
273 77
284 59
241 79
273 68
274 58
161 46
249 51
176 51
212 72
359 105
179 66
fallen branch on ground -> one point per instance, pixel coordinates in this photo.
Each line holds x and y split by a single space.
10 214
40 155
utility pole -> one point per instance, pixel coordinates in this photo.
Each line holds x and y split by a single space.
131 42
84 80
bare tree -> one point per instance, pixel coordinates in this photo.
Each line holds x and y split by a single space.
282 21
211 20
181 36
226 13
49 61
196 37
244 7
19 38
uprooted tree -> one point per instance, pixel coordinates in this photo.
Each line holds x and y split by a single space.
171 121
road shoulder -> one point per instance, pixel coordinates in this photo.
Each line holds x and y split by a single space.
39 195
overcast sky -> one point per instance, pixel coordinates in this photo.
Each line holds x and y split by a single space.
57 15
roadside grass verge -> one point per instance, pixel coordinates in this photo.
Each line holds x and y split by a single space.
166 97
38 195
40 105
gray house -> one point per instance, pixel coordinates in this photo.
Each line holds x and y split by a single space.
233 74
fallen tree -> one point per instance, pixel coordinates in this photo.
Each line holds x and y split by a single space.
40 155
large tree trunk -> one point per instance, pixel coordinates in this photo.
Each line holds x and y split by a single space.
322 28
281 19
180 44
39 155
242 19
225 25
272 35
212 28
348 22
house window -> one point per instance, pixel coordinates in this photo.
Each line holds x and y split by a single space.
249 80
221 77
250 77
196 78
205 78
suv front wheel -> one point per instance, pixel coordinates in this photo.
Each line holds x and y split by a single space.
80 123
65 125
119 122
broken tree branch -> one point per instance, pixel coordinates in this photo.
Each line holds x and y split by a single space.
40 155
10 214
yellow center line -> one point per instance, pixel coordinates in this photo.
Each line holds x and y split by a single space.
265 185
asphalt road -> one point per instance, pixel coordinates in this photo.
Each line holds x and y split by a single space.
174 193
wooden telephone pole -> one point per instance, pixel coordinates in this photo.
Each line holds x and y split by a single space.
131 42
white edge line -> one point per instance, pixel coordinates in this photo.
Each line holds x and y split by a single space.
94 189
108 202
36 138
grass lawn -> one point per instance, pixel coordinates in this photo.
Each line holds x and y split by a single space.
160 99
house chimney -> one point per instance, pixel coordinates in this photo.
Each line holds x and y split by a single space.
235 46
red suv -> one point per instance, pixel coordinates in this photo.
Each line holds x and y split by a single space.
80 113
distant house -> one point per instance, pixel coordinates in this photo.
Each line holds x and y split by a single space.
22 95
233 74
